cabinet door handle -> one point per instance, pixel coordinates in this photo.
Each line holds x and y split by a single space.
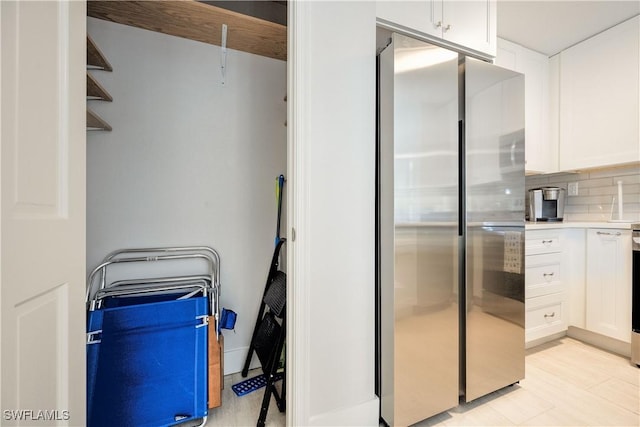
547 242
548 274
447 28
550 315
438 24
606 233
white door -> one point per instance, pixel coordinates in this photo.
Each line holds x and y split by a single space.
42 212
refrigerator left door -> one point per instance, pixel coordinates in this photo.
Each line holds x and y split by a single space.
418 231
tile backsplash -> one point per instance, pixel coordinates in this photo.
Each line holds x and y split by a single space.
597 198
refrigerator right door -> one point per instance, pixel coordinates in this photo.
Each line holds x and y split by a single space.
494 198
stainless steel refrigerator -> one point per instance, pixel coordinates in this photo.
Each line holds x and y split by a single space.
450 229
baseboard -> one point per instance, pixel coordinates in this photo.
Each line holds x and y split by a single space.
364 414
234 360
606 343
539 341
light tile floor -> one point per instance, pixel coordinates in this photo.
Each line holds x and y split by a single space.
244 411
568 383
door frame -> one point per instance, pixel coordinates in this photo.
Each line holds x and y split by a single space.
298 308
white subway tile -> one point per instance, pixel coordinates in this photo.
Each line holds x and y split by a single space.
588 200
628 179
631 207
610 172
536 181
631 189
576 209
583 217
600 182
600 209
600 191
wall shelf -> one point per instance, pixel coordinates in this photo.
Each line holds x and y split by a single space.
95 91
95 58
94 122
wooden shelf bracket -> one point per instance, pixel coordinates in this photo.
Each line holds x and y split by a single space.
94 122
95 91
95 58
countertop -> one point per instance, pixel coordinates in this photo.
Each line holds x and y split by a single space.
579 224
528 225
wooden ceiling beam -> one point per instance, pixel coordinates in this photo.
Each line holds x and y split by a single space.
197 21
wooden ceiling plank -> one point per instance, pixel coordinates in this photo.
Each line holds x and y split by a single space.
197 21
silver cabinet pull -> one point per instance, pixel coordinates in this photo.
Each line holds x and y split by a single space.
438 24
447 28
548 274
606 233
547 242
550 315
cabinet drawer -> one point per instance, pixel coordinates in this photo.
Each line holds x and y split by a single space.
545 315
543 275
538 243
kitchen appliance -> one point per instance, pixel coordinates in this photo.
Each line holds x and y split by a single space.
449 230
546 204
635 296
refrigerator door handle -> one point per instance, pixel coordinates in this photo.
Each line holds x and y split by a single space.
461 178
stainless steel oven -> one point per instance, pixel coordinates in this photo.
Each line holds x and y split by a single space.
635 298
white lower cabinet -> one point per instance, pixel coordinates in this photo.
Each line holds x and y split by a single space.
608 283
578 277
543 275
545 295
545 315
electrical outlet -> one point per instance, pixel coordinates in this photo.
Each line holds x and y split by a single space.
572 189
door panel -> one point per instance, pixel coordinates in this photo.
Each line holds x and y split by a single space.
494 135
419 203
42 212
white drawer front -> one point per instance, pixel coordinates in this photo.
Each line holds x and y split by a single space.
542 243
543 275
545 316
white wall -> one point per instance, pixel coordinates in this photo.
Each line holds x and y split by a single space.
332 73
189 161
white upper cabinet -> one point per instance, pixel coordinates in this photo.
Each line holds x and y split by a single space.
470 23
599 92
553 113
467 24
541 151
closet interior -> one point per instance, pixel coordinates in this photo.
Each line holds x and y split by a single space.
186 108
